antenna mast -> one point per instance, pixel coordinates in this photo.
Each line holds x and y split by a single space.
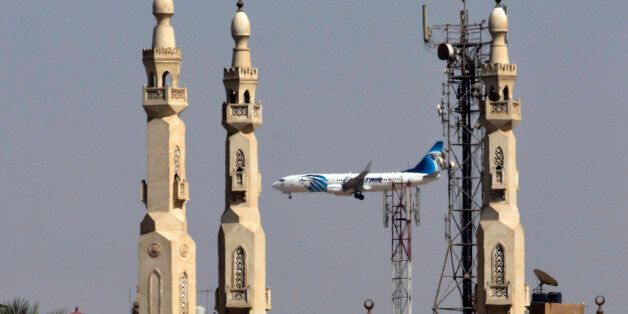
464 50
401 204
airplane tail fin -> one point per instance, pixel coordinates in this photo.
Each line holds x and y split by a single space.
432 162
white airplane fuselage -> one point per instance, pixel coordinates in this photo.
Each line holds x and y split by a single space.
332 182
426 171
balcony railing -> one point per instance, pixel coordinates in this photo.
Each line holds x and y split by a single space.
501 112
167 94
241 115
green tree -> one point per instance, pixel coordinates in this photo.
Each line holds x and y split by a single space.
24 306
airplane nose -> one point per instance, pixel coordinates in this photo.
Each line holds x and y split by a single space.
276 185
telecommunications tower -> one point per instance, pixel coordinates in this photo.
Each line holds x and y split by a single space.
463 46
401 204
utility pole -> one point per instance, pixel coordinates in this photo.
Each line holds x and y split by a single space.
206 292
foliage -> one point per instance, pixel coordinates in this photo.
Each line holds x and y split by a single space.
24 306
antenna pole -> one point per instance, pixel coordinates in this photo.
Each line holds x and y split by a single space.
459 111
427 32
399 207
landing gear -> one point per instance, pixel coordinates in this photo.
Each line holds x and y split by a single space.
359 196
289 196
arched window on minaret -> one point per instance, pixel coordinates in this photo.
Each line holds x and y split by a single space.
233 96
239 268
154 292
183 293
247 97
152 79
493 95
176 165
499 165
499 265
177 162
166 79
506 93
240 164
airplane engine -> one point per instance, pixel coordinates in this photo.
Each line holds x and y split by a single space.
335 188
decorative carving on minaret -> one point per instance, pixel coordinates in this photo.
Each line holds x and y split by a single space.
501 265
241 239
167 253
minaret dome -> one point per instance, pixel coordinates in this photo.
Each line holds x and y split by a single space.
498 21
240 25
163 7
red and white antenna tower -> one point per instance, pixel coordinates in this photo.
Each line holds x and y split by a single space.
400 205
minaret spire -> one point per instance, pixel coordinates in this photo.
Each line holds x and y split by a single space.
241 31
241 239
498 27
163 33
167 253
501 286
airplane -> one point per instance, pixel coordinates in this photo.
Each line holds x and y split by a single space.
344 184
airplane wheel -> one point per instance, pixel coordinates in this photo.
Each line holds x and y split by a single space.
361 197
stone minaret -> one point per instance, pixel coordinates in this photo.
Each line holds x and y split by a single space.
241 240
167 253
501 286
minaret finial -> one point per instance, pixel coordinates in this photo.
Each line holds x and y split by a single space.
498 27
241 31
163 33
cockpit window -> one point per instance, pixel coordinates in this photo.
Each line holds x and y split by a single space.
282 180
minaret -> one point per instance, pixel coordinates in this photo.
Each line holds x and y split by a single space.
241 239
167 253
501 286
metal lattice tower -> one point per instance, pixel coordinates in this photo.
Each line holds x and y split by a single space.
464 49
400 204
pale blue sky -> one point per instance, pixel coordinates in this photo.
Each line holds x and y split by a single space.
342 83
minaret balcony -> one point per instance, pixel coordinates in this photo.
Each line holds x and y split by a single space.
498 113
244 115
182 190
166 100
498 294
239 298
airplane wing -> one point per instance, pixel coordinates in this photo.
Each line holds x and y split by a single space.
356 183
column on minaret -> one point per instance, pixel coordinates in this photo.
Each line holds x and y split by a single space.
501 286
167 253
241 239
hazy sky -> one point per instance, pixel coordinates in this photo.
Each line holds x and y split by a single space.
342 83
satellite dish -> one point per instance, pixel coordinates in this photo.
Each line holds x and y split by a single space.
446 51
544 278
